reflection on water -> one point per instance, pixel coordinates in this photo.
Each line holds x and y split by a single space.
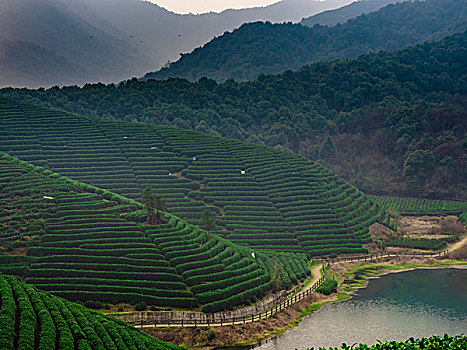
398 306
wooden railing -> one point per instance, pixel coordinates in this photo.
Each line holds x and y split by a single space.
279 302
382 256
265 309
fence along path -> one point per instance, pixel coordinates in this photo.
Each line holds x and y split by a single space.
440 254
255 313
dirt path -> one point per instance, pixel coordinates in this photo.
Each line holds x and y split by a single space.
458 245
316 273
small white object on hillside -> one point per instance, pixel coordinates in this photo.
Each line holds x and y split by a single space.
153 147
48 197
253 255
242 171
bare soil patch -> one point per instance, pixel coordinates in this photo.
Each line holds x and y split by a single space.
459 254
432 226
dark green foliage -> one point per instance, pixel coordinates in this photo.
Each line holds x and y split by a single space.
328 287
207 221
161 207
61 323
431 343
91 304
149 202
141 306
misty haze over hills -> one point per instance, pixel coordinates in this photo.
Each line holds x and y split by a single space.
268 48
344 13
64 42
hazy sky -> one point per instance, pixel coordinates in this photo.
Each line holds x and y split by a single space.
200 6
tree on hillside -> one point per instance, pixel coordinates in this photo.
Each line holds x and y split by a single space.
155 206
418 168
149 202
207 221
276 277
419 163
328 149
161 207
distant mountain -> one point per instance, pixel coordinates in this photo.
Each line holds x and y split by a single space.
344 13
273 48
66 42
49 44
165 35
26 64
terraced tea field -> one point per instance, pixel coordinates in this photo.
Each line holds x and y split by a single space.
263 198
417 206
90 244
33 319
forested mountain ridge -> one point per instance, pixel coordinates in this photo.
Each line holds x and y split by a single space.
390 123
344 13
63 42
267 48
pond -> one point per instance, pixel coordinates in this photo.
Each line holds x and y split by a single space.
397 306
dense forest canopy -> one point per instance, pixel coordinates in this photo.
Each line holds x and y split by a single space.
391 123
273 48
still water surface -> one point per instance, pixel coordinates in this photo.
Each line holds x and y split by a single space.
397 306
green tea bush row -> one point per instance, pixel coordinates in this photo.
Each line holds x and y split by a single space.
102 281
169 293
76 273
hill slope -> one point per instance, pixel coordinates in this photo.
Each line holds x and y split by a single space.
26 64
83 41
84 243
32 319
270 49
263 198
390 123
59 47
344 13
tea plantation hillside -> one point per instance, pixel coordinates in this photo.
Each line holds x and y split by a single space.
84 243
263 198
417 206
33 319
